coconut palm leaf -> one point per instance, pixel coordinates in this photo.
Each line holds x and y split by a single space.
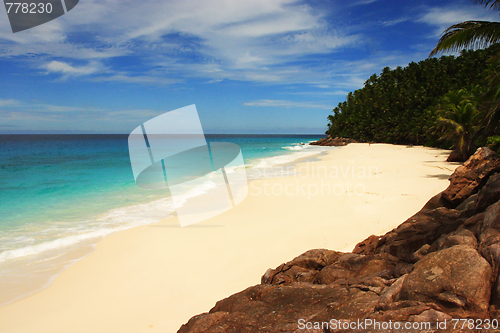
455 127
469 34
494 4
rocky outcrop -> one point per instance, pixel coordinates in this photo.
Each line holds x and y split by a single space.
456 279
423 228
470 176
441 263
456 156
329 141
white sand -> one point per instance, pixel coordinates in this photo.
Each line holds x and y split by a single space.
154 278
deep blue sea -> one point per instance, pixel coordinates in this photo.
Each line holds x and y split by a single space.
58 191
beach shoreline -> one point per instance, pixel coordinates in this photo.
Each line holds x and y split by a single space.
73 219
155 277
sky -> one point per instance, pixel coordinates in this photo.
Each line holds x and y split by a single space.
249 66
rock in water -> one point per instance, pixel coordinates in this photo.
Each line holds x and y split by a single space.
336 142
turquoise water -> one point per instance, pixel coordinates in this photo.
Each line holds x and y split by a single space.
59 190
46 178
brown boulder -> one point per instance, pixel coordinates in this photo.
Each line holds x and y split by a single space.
420 253
336 142
425 227
489 246
456 156
468 204
467 178
303 268
367 246
457 279
401 312
390 293
458 237
434 202
489 193
489 230
271 308
352 265
325 267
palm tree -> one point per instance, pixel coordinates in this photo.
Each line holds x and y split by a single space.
457 120
475 34
470 34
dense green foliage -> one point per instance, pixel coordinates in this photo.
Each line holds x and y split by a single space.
403 105
460 119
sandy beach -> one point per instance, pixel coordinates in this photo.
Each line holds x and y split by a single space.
154 278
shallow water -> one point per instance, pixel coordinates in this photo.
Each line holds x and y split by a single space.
60 194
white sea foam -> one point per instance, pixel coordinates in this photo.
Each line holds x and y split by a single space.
36 239
105 224
58 236
42 246
51 245
273 166
283 159
294 147
297 146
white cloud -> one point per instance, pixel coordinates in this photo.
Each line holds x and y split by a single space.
363 2
244 40
14 109
27 115
287 104
263 41
322 93
278 22
135 79
68 70
15 105
106 75
62 109
8 102
443 17
390 23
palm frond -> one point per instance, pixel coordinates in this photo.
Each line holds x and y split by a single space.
469 34
495 4
493 118
450 123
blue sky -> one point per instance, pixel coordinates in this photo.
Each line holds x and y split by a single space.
250 66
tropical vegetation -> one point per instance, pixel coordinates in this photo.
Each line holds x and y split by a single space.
450 102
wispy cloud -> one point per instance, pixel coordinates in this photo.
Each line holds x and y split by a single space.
8 102
263 41
363 2
390 23
135 79
287 104
322 93
40 116
30 108
443 17
254 40
33 108
68 70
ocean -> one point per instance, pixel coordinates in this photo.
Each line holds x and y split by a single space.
60 194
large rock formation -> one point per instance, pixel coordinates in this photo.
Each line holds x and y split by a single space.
329 141
440 265
472 175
